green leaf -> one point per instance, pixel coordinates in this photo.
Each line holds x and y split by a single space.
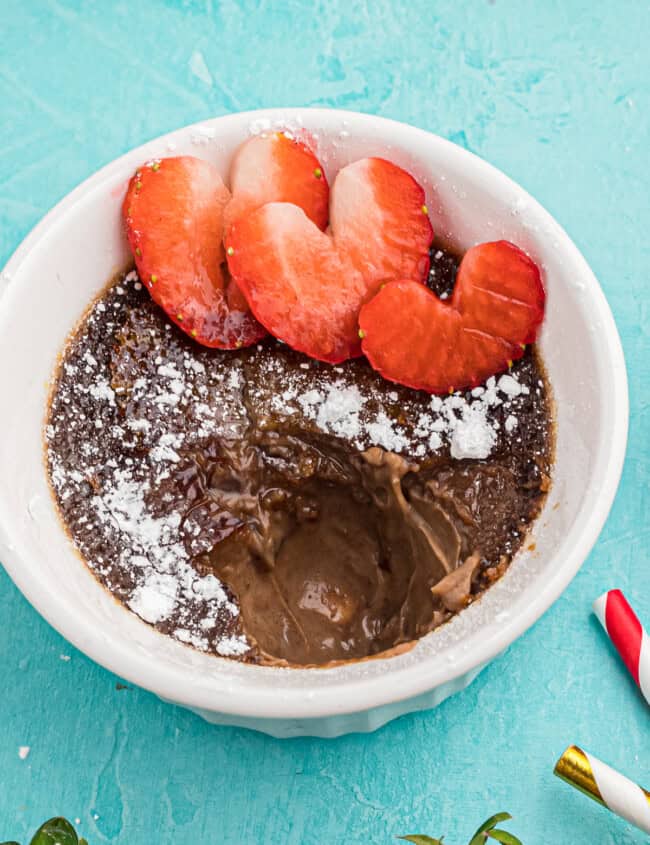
56 831
479 837
9 843
421 839
504 836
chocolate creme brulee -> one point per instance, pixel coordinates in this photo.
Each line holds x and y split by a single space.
262 506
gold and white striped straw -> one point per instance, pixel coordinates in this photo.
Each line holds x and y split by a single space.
600 782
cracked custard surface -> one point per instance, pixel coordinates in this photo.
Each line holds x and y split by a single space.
263 506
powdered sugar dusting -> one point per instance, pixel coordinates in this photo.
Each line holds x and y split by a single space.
147 412
340 403
233 646
472 435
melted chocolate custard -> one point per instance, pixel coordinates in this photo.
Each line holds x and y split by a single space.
263 506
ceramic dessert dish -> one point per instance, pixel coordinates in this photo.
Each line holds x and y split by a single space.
231 466
468 203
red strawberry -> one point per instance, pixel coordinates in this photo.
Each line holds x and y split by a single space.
174 222
412 337
307 287
277 168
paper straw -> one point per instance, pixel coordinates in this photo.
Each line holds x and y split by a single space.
603 784
626 632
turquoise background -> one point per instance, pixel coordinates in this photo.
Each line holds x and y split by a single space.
557 95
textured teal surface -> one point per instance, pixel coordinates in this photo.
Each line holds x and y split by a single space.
554 93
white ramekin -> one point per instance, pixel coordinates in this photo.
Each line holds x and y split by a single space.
67 260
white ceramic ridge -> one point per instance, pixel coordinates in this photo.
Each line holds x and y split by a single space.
68 258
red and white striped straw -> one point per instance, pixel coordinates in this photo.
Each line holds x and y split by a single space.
627 633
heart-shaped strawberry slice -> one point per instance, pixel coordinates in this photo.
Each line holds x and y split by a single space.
175 211
412 337
307 287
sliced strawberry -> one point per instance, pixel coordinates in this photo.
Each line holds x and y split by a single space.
277 168
380 222
307 287
500 292
294 280
174 211
412 337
